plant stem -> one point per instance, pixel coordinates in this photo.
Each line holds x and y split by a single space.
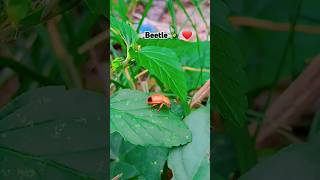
71 74
24 71
282 62
128 76
144 14
186 68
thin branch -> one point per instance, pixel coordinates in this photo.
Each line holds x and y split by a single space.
23 70
71 74
93 42
289 136
273 26
187 68
128 76
117 177
289 107
201 94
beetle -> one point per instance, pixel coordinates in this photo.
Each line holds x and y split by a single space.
159 99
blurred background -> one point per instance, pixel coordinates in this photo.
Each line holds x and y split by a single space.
51 42
279 41
52 80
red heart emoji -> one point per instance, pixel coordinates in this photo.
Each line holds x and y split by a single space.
187 34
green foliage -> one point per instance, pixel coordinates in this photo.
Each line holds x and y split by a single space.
25 14
50 132
124 30
41 129
164 64
23 70
230 85
116 64
173 17
98 6
17 9
188 56
229 82
191 161
157 66
140 124
135 161
148 6
220 18
272 60
120 8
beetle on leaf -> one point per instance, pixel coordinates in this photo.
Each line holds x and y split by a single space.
159 99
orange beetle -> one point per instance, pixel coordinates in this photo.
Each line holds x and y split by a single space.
159 99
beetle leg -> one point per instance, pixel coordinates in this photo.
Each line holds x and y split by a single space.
153 105
160 107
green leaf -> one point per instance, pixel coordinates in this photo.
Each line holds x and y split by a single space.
294 162
165 65
171 10
136 161
17 9
220 18
56 127
124 30
230 86
17 165
98 6
39 12
145 13
191 161
188 55
197 5
140 124
123 10
230 83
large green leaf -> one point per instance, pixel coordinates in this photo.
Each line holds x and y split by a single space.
39 12
229 80
124 30
136 161
62 130
230 85
188 55
165 65
17 165
294 162
191 161
98 6
17 9
141 124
